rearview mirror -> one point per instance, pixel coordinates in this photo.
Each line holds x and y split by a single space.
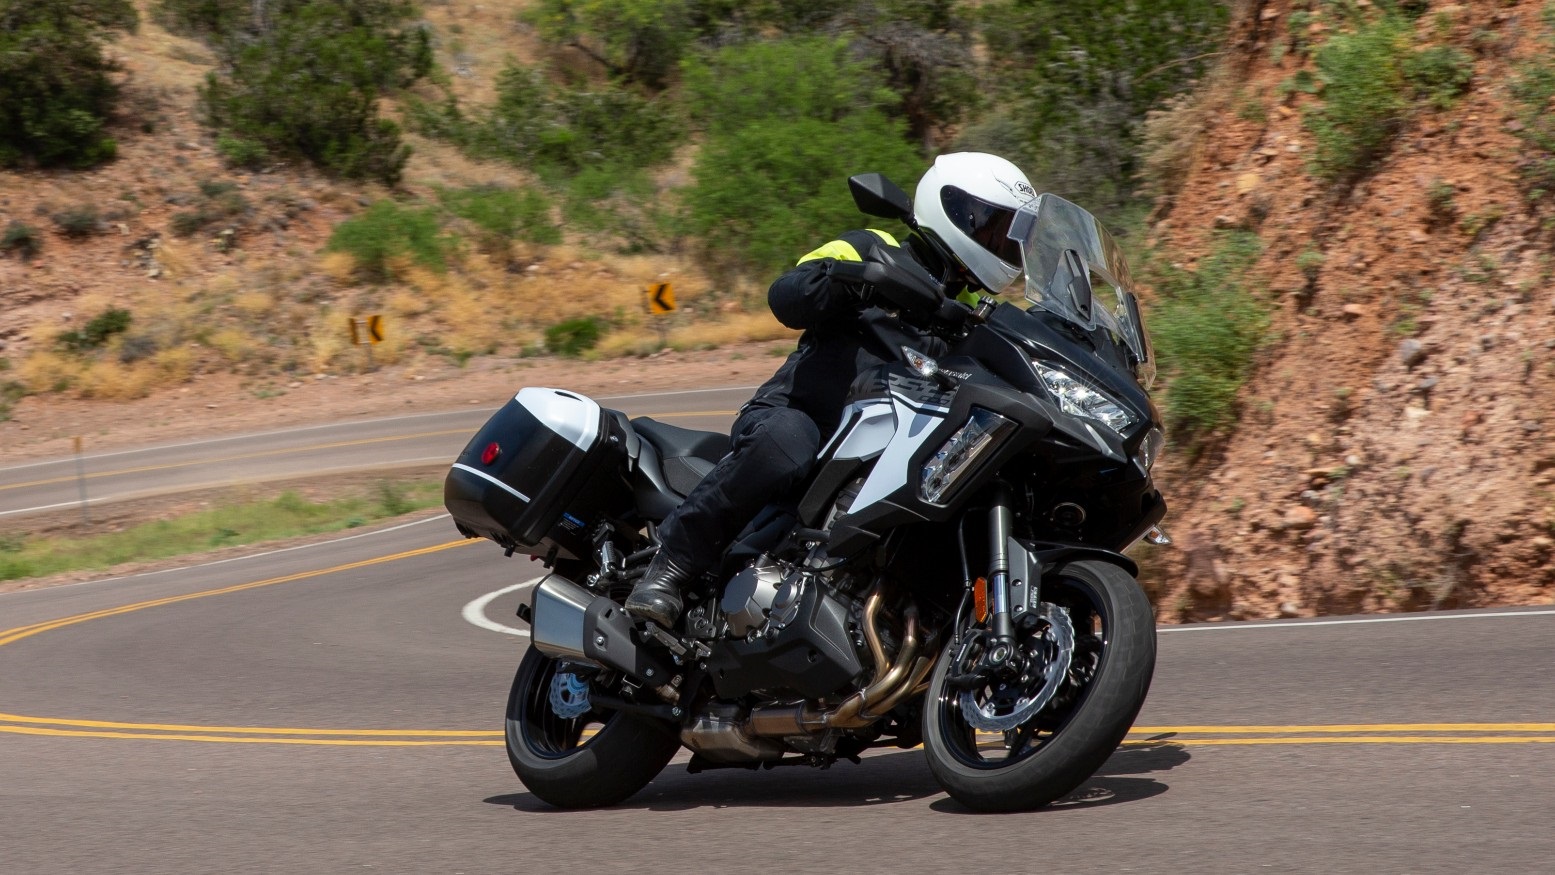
877 196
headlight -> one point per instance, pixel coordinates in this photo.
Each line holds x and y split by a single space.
1150 449
983 430
1078 399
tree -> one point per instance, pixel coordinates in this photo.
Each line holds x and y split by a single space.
1077 86
55 90
301 78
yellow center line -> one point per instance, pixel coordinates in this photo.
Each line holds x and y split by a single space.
230 739
1348 727
250 730
1338 733
237 458
12 635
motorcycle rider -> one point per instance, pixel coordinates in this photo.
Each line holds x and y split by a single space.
963 207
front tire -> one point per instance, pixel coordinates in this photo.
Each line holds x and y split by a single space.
561 762
1070 738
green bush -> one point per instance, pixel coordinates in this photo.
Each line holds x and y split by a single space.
307 86
574 337
219 201
1439 74
800 78
55 91
80 220
637 40
504 214
388 231
767 193
559 131
1533 87
1078 82
97 331
1365 101
21 240
1206 327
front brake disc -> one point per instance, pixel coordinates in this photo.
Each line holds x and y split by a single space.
1002 714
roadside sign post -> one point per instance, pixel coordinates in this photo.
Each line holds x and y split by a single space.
367 332
660 298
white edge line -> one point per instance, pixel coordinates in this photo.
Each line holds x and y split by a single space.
339 424
474 613
332 541
1411 618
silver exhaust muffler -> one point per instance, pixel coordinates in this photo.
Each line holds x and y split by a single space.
560 612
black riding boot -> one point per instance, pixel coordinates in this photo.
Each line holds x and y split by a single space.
657 596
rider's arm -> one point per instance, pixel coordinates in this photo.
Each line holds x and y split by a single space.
808 296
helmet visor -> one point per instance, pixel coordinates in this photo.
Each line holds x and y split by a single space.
988 224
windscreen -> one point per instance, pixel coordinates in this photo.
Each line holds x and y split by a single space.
1075 269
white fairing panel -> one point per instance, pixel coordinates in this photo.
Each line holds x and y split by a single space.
871 434
894 469
573 417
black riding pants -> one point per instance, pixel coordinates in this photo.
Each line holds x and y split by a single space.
773 449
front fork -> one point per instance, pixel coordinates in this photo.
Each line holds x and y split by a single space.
1008 597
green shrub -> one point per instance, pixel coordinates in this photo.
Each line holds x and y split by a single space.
1439 74
1532 88
1078 80
638 40
307 86
219 201
766 194
388 231
55 90
80 220
1365 101
97 331
1206 327
800 78
504 214
574 337
21 240
559 131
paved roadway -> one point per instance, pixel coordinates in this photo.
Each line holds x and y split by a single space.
337 707
321 450
333 708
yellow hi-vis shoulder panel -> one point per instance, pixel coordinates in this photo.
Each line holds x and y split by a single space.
842 250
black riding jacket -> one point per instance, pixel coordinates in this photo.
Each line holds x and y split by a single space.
844 335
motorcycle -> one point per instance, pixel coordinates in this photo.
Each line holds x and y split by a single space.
950 575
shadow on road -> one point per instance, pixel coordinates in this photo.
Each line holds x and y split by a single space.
883 779
1109 785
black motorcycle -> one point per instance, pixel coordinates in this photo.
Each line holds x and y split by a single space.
951 574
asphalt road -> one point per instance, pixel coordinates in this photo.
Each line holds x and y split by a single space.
333 708
321 450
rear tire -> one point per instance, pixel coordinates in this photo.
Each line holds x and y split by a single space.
1067 741
564 767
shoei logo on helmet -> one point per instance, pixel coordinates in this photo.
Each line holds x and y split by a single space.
1023 188
490 454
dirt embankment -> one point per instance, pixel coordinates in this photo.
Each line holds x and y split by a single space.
1396 448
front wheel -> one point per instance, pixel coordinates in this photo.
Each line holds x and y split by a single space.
571 754
1096 638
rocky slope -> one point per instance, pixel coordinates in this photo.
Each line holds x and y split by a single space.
1396 447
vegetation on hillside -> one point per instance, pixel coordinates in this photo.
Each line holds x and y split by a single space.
56 90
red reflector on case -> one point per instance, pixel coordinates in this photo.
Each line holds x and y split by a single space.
491 453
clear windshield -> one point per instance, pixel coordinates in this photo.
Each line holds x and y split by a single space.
1075 270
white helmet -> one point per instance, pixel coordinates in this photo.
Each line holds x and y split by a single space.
968 199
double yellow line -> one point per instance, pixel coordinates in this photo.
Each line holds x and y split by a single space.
1139 737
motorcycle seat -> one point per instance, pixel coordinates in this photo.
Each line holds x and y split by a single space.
685 454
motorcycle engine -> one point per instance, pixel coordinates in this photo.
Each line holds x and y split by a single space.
762 599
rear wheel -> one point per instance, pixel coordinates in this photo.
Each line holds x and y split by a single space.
1084 707
570 754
